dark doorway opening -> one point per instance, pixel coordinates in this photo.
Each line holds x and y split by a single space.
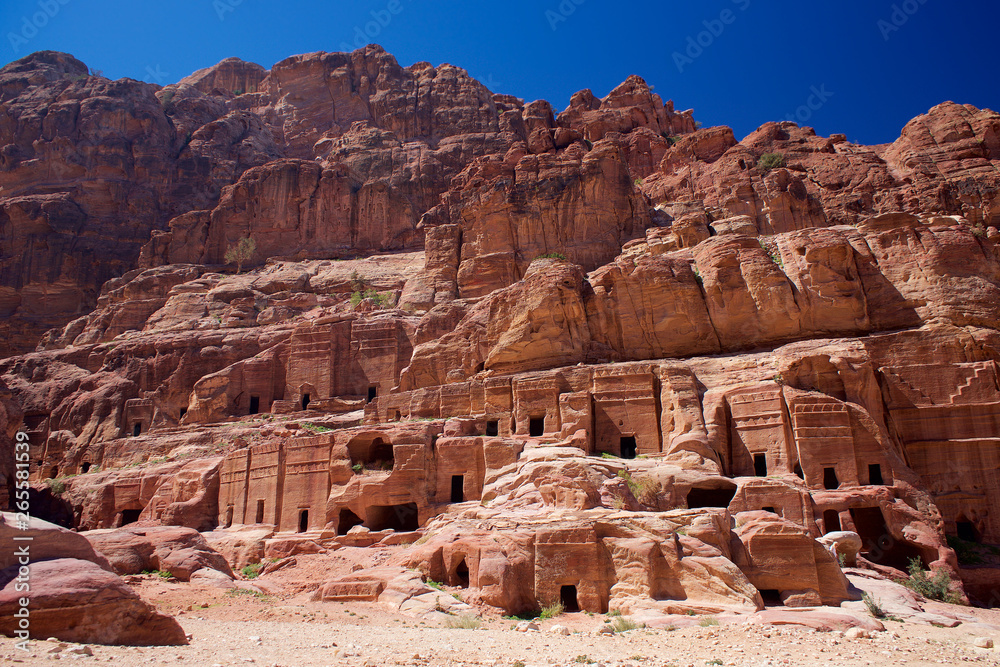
183 412
305 401
536 426
382 456
347 520
399 415
628 447
710 497
760 465
772 597
567 595
831 521
401 518
254 404
830 480
458 488
879 544
875 474
136 429
493 428
229 516
303 521
798 471
372 393
130 516
462 574
54 472
84 467
260 512
967 531
771 510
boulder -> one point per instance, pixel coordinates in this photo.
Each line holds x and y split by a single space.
179 551
77 601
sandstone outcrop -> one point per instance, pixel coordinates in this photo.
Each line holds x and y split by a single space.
76 601
604 356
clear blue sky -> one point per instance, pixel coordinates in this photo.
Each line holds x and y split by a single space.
761 65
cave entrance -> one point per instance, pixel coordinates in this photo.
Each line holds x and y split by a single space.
400 518
771 597
136 429
879 544
875 475
458 488
254 404
798 471
372 393
130 516
536 426
493 428
54 472
85 467
303 521
831 521
462 574
966 530
305 401
710 497
347 520
760 465
830 480
628 447
772 510
567 595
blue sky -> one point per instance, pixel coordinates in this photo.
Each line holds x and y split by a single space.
865 66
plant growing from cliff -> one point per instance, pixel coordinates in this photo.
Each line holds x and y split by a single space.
643 488
241 252
252 571
978 230
435 584
637 182
874 605
552 255
769 161
315 428
358 468
56 486
931 587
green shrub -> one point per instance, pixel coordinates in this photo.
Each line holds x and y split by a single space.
56 486
769 161
241 252
435 584
708 621
552 255
551 611
240 592
623 624
252 571
316 428
874 606
931 587
584 660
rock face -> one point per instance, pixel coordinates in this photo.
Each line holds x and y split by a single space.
603 356
76 601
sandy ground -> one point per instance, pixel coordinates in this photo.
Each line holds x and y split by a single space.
289 631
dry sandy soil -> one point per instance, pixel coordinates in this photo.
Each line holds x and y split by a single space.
287 630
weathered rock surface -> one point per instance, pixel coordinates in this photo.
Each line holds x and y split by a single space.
76 601
636 365
179 551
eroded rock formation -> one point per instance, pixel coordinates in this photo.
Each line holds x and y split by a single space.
603 356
